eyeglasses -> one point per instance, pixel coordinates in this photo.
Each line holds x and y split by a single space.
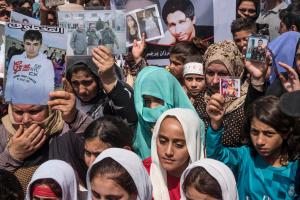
251 11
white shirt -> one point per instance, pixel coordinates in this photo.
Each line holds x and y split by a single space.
29 81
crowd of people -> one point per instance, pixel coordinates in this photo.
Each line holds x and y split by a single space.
142 132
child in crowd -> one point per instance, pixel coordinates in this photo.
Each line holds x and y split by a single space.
54 179
118 174
208 179
177 141
267 168
193 77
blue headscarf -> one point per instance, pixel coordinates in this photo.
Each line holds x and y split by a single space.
284 49
159 83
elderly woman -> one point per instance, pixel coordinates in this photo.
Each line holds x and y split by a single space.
30 134
222 60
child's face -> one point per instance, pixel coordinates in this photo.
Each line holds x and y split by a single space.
105 188
266 140
171 147
194 83
92 148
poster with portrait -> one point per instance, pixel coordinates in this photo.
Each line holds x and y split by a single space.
16 17
90 28
257 48
182 20
146 20
34 62
2 48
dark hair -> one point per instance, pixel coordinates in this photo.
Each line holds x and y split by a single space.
291 15
54 186
184 49
33 35
256 4
171 6
23 11
243 24
111 169
203 182
194 58
110 130
80 66
10 187
22 2
267 110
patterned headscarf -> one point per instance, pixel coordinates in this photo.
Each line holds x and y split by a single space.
228 53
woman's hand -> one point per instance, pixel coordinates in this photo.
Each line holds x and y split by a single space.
292 83
103 59
215 110
65 102
138 49
26 141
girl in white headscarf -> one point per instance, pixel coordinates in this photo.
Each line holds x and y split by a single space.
118 173
208 178
177 141
53 179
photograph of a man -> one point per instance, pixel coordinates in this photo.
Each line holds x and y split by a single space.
30 75
259 53
78 40
108 37
179 16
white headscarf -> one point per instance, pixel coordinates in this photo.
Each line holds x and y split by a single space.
220 172
194 131
62 173
133 165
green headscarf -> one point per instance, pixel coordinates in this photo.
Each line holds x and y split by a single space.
159 83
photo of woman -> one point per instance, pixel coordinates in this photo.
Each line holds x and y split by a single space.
132 29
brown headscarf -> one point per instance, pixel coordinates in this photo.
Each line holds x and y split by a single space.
228 53
52 124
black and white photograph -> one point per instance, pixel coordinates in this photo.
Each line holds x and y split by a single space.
35 62
147 21
90 28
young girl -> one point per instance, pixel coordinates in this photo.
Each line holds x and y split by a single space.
177 140
118 174
155 91
208 179
104 133
266 169
54 179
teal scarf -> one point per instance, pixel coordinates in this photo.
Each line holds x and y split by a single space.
159 83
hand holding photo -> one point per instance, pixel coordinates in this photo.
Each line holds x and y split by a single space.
230 87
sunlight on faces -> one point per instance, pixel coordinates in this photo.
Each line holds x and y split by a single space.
241 38
92 148
214 72
194 83
193 194
266 140
105 188
26 114
171 147
32 48
84 85
247 9
181 27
